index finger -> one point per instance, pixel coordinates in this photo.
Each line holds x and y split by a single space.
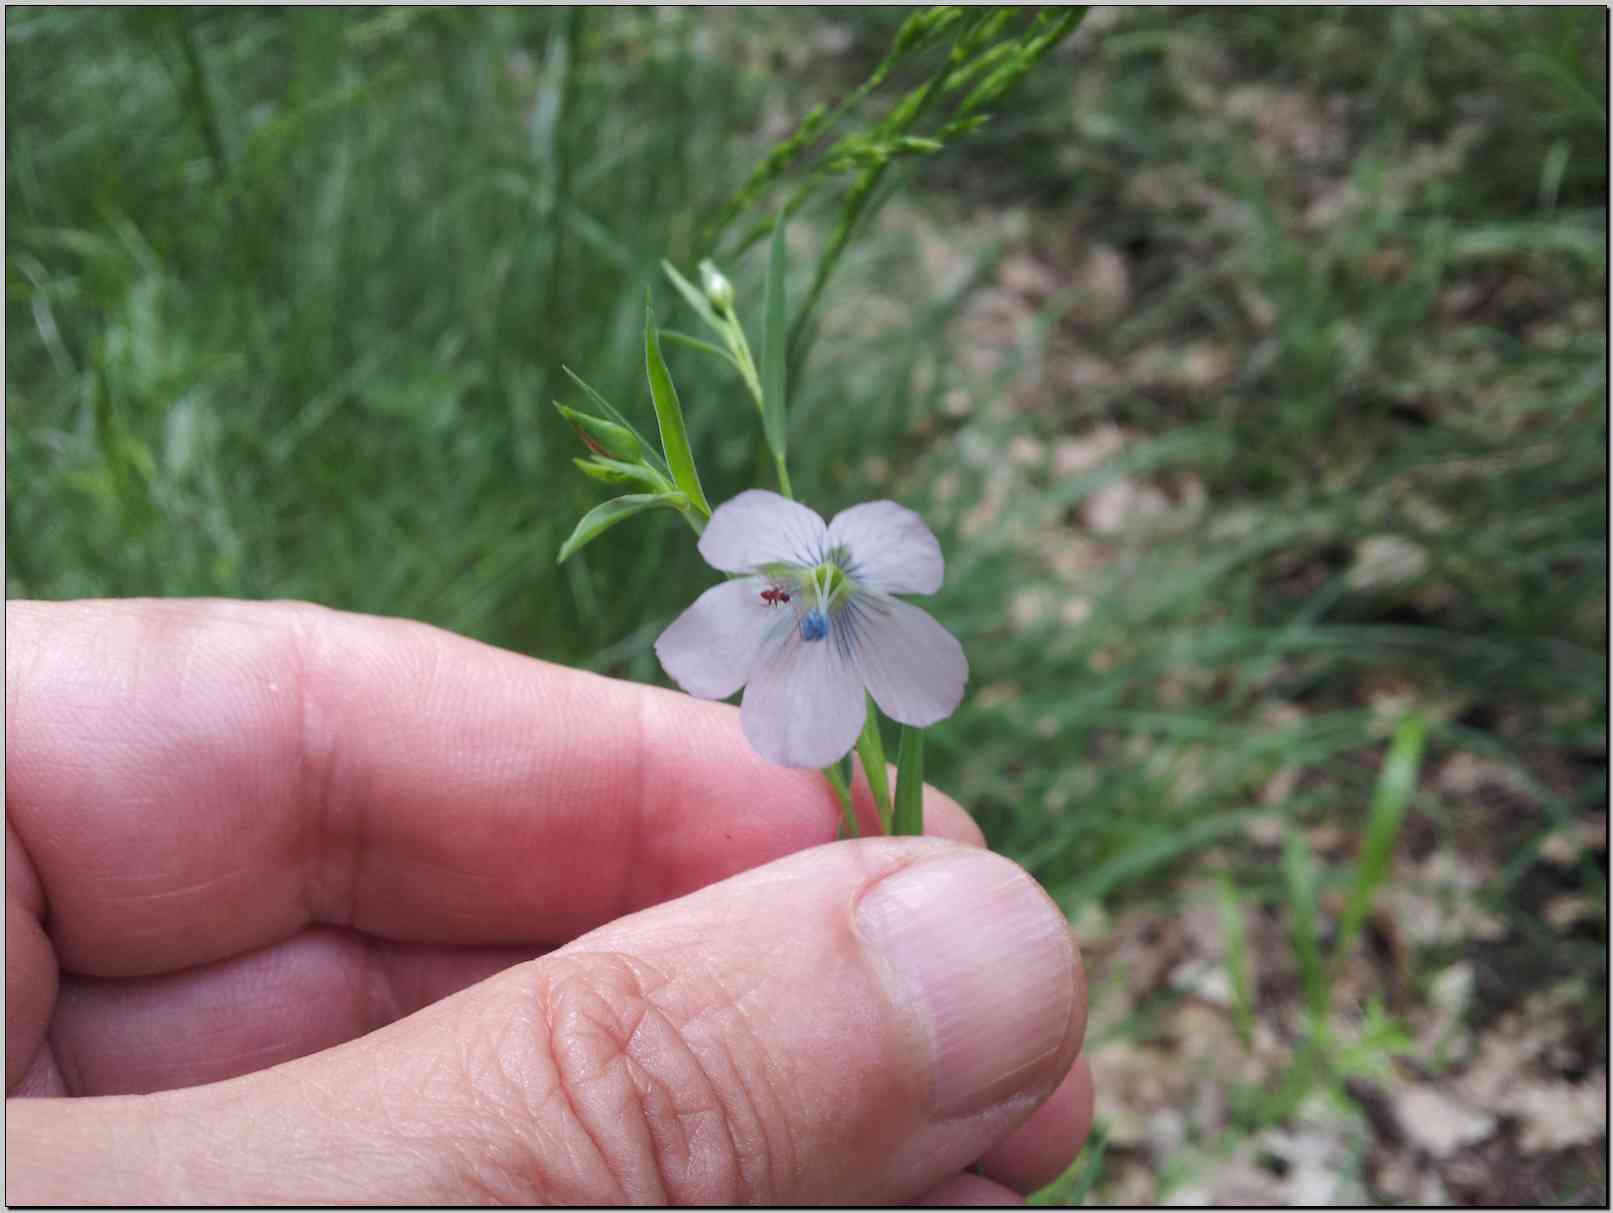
195 779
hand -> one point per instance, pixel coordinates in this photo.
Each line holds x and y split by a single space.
384 915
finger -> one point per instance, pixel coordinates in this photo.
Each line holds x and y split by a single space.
970 1191
855 1023
194 780
1041 1149
322 987
30 968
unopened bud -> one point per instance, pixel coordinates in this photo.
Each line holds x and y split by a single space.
719 291
611 471
603 437
598 469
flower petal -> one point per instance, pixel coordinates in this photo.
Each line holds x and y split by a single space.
804 705
710 648
914 668
893 552
757 528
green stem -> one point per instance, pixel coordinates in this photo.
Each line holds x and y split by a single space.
746 363
871 749
909 815
843 793
742 355
903 119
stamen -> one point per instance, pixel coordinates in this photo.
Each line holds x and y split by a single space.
814 625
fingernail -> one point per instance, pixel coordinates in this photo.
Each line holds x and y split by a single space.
983 960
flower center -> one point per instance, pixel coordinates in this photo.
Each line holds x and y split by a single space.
821 591
831 583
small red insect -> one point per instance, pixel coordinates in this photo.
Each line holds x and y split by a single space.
774 596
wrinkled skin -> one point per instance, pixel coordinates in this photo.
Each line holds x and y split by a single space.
336 908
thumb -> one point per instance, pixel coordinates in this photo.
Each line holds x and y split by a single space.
855 1023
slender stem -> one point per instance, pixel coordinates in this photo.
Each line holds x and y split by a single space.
909 111
734 334
694 515
843 793
739 347
871 749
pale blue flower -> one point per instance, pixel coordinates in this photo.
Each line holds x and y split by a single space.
811 622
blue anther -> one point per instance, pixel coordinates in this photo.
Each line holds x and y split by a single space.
814 625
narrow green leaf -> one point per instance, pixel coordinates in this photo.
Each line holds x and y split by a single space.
909 815
871 749
607 514
705 347
1396 783
775 347
695 297
669 413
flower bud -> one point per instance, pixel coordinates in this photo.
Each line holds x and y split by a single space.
603 437
597 469
719 291
611 471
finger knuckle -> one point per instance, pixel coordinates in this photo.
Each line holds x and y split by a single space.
647 1090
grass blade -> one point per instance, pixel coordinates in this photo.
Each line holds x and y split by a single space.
1135 863
775 348
1299 874
1073 1187
669 414
1235 942
1396 783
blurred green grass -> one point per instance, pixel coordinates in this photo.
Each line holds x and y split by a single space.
290 290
